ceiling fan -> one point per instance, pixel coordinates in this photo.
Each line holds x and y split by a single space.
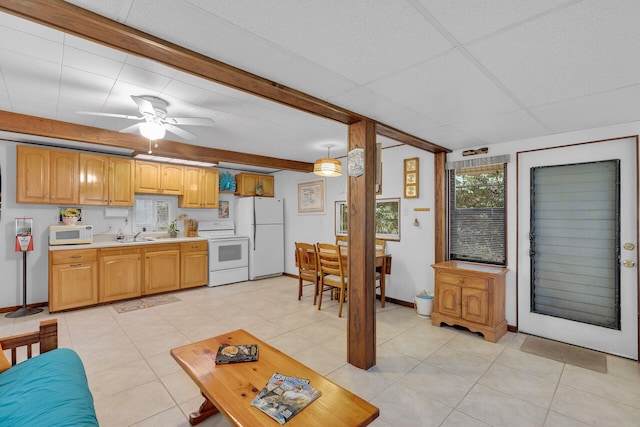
153 113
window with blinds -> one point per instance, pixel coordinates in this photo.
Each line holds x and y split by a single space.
574 242
477 213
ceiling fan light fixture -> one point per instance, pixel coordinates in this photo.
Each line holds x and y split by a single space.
327 166
152 130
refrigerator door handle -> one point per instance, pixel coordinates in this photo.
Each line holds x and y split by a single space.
254 225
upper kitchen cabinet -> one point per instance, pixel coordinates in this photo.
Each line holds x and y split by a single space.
200 188
46 176
248 184
159 178
121 181
106 180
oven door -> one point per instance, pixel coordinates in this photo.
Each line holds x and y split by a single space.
228 253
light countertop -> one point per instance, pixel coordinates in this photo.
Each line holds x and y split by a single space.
99 243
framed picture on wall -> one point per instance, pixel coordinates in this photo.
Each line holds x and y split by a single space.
411 177
387 218
311 197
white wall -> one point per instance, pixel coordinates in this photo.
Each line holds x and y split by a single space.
412 255
512 148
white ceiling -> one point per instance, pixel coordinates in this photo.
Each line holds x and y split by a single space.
459 74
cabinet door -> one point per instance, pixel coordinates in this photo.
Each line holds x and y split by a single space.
94 179
63 177
191 192
161 271
246 184
32 180
210 186
148 177
267 186
475 305
73 285
172 179
194 269
121 181
120 276
449 302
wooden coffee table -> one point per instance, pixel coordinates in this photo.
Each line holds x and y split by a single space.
231 388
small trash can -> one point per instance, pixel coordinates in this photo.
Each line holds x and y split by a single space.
424 304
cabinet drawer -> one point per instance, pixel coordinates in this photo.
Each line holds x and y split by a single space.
461 280
199 246
74 256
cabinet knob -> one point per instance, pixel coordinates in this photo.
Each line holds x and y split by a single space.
75 265
76 256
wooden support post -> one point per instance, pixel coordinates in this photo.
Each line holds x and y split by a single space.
440 209
361 200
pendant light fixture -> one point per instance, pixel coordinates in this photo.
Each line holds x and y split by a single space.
327 166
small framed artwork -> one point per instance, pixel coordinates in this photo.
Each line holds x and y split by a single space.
223 209
411 177
311 197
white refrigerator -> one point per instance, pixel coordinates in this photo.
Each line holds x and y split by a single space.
262 219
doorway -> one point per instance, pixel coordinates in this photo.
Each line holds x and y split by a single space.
575 285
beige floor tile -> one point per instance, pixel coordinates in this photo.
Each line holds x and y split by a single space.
523 385
180 386
109 358
536 365
626 369
366 384
263 329
216 420
437 384
163 364
593 410
321 331
459 363
392 364
416 345
290 343
500 409
400 405
124 377
603 385
476 346
156 344
557 420
321 359
133 405
459 419
171 417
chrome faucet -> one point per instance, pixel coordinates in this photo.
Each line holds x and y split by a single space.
136 236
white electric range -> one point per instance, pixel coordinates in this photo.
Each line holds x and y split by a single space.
228 252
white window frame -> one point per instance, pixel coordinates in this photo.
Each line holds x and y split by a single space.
173 209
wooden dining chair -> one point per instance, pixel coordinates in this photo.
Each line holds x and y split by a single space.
332 275
307 262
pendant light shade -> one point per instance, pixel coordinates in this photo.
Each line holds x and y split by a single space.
327 166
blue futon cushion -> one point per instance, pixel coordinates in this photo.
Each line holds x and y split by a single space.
48 390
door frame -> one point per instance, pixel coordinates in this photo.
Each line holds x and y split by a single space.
518 153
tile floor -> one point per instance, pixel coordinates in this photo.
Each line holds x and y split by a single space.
425 375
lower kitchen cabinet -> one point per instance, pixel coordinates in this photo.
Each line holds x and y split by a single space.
84 277
470 295
194 264
73 279
120 274
161 268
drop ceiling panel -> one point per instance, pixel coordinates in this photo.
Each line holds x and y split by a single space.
510 126
589 47
79 84
470 20
339 34
86 61
448 89
28 77
28 44
455 138
617 106
28 27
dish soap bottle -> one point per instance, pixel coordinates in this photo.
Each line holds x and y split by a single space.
120 235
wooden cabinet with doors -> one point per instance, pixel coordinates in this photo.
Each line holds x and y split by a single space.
246 184
158 178
46 176
194 267
120 273
106 180
161 268
121 181
73 279
201 187
470 295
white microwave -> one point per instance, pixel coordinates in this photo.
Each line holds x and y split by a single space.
70 234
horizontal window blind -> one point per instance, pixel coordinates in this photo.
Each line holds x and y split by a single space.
574 242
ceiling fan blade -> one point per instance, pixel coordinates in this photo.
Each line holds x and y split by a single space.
190 121
120 116
131 129
145 106
180 132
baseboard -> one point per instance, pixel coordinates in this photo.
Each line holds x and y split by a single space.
512 328
14 308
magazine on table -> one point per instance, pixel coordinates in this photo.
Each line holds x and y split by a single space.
237 353
283 397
